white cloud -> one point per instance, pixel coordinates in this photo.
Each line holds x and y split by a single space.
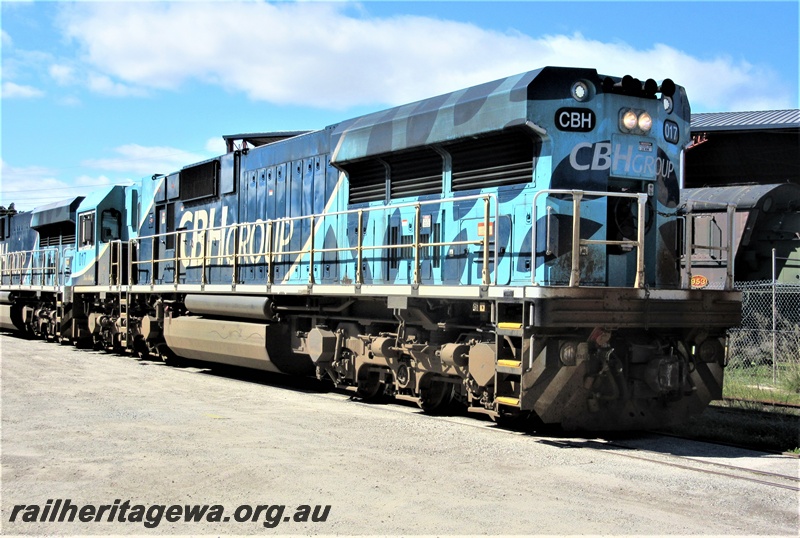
30 186
5 39
18 179
12 90
69 100
104 85
318 54
140 161
93 181
216 146
62 74
19 63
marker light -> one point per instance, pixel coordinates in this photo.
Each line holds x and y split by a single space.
580 92
645 122
629 120
666 100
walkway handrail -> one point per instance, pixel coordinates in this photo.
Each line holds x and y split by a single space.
36 264
316 221
690 246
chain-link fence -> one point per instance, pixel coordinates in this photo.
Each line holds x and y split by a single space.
766 346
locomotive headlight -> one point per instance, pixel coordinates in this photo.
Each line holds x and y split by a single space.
711 350
568 353
629 120
645 122
635 121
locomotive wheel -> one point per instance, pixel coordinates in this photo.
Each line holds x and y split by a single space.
513 421
370 388
84 343
435 395
140 349
167 356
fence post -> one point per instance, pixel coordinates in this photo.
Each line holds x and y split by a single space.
774 319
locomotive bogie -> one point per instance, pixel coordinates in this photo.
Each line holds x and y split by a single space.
509 248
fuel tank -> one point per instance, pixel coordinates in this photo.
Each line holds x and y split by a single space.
228 342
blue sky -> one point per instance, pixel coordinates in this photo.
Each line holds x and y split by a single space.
97 93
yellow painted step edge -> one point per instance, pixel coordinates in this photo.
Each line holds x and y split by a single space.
505 400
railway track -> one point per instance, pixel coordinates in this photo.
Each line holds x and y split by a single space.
700 464
194 417
780 405
753 426
634 447
696 464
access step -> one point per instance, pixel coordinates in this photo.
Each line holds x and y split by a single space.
508 328
509 366
507 400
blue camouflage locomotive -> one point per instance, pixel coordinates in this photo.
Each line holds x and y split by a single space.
515 247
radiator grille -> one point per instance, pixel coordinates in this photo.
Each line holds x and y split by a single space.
199 181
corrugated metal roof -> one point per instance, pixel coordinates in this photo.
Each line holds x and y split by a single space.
746 121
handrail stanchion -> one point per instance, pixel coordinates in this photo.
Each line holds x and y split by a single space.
269 252
417 215
153 251
688 246
132 246
487 232
359 252
175 275
236 254
731 252
640 278
311 253
575 272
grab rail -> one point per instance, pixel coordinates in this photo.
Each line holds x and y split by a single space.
577 242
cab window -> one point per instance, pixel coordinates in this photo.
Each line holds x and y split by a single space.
110 225
86 230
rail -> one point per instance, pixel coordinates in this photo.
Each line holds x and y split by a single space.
275 251
690 246
577 242
39 267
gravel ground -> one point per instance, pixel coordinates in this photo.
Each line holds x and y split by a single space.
101 429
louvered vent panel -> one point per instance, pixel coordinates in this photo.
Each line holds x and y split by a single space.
367 181
494 161
415 174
